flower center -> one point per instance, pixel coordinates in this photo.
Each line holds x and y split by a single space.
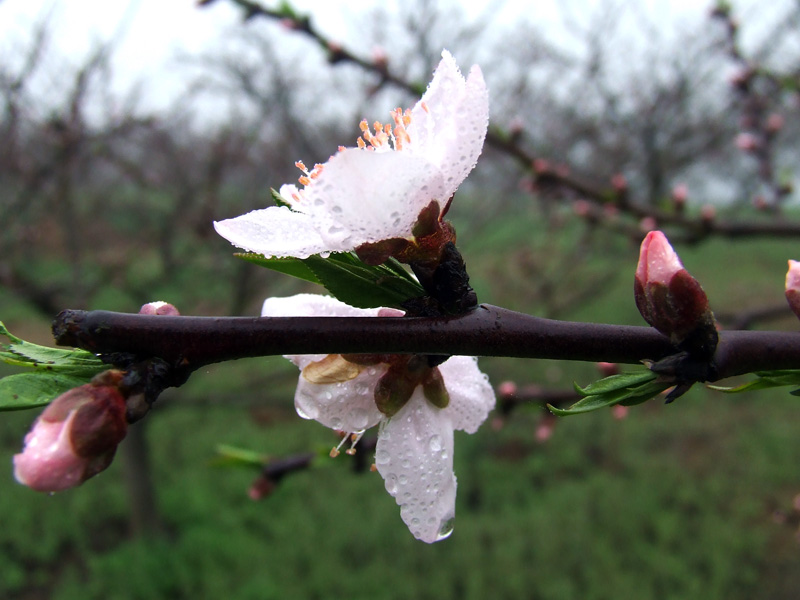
386 136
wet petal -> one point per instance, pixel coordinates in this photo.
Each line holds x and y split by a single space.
312 305
348 406
471 394
364 196
450 121
414 456
273 231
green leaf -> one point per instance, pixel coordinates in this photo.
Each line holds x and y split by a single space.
626 388
230 456
53 371
764 380
289 266
74 362
363 286
616 382
35 388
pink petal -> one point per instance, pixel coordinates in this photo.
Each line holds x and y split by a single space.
48 463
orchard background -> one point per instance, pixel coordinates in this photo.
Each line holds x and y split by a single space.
108 204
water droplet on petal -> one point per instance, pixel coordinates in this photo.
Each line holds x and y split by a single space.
391 483
382 457
306 407
446 528
359 418
435 443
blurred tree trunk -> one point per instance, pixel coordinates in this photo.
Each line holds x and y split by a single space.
145 518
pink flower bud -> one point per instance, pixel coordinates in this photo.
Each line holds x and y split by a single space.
74 438
747 142
582 208
607 369
507 388
668 297
680 193
541 165
775 123
708 212
159 308
647 224
793 286
619 183
544 431
619 412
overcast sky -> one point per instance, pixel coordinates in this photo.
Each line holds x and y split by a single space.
156 31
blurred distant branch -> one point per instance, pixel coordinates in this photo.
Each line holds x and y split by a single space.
602 203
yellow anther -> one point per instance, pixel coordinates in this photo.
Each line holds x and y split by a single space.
364 126
304 180
300 165
334 452
361 143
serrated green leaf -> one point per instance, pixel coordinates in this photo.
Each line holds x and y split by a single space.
630 395
361 285
764 380
74 362
34 388
288 266
616 382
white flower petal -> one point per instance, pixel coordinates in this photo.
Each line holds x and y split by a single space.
414 456
449 123
273 231
348 406
312 305
471 395
364 196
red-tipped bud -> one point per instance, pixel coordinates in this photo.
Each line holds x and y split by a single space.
75 438
619 412
159 308
544 430
647 224
747 142
507 388
708 212
775 123
680 194
668 297
793 286
619 183
607 369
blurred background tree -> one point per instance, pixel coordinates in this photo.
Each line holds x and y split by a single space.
610 123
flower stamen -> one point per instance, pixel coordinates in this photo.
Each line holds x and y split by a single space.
386 136
354 438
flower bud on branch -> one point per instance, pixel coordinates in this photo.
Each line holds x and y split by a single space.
671 300
76 436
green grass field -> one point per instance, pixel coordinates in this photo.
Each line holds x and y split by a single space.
687 501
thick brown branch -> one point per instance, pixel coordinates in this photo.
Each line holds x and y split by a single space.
190 342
